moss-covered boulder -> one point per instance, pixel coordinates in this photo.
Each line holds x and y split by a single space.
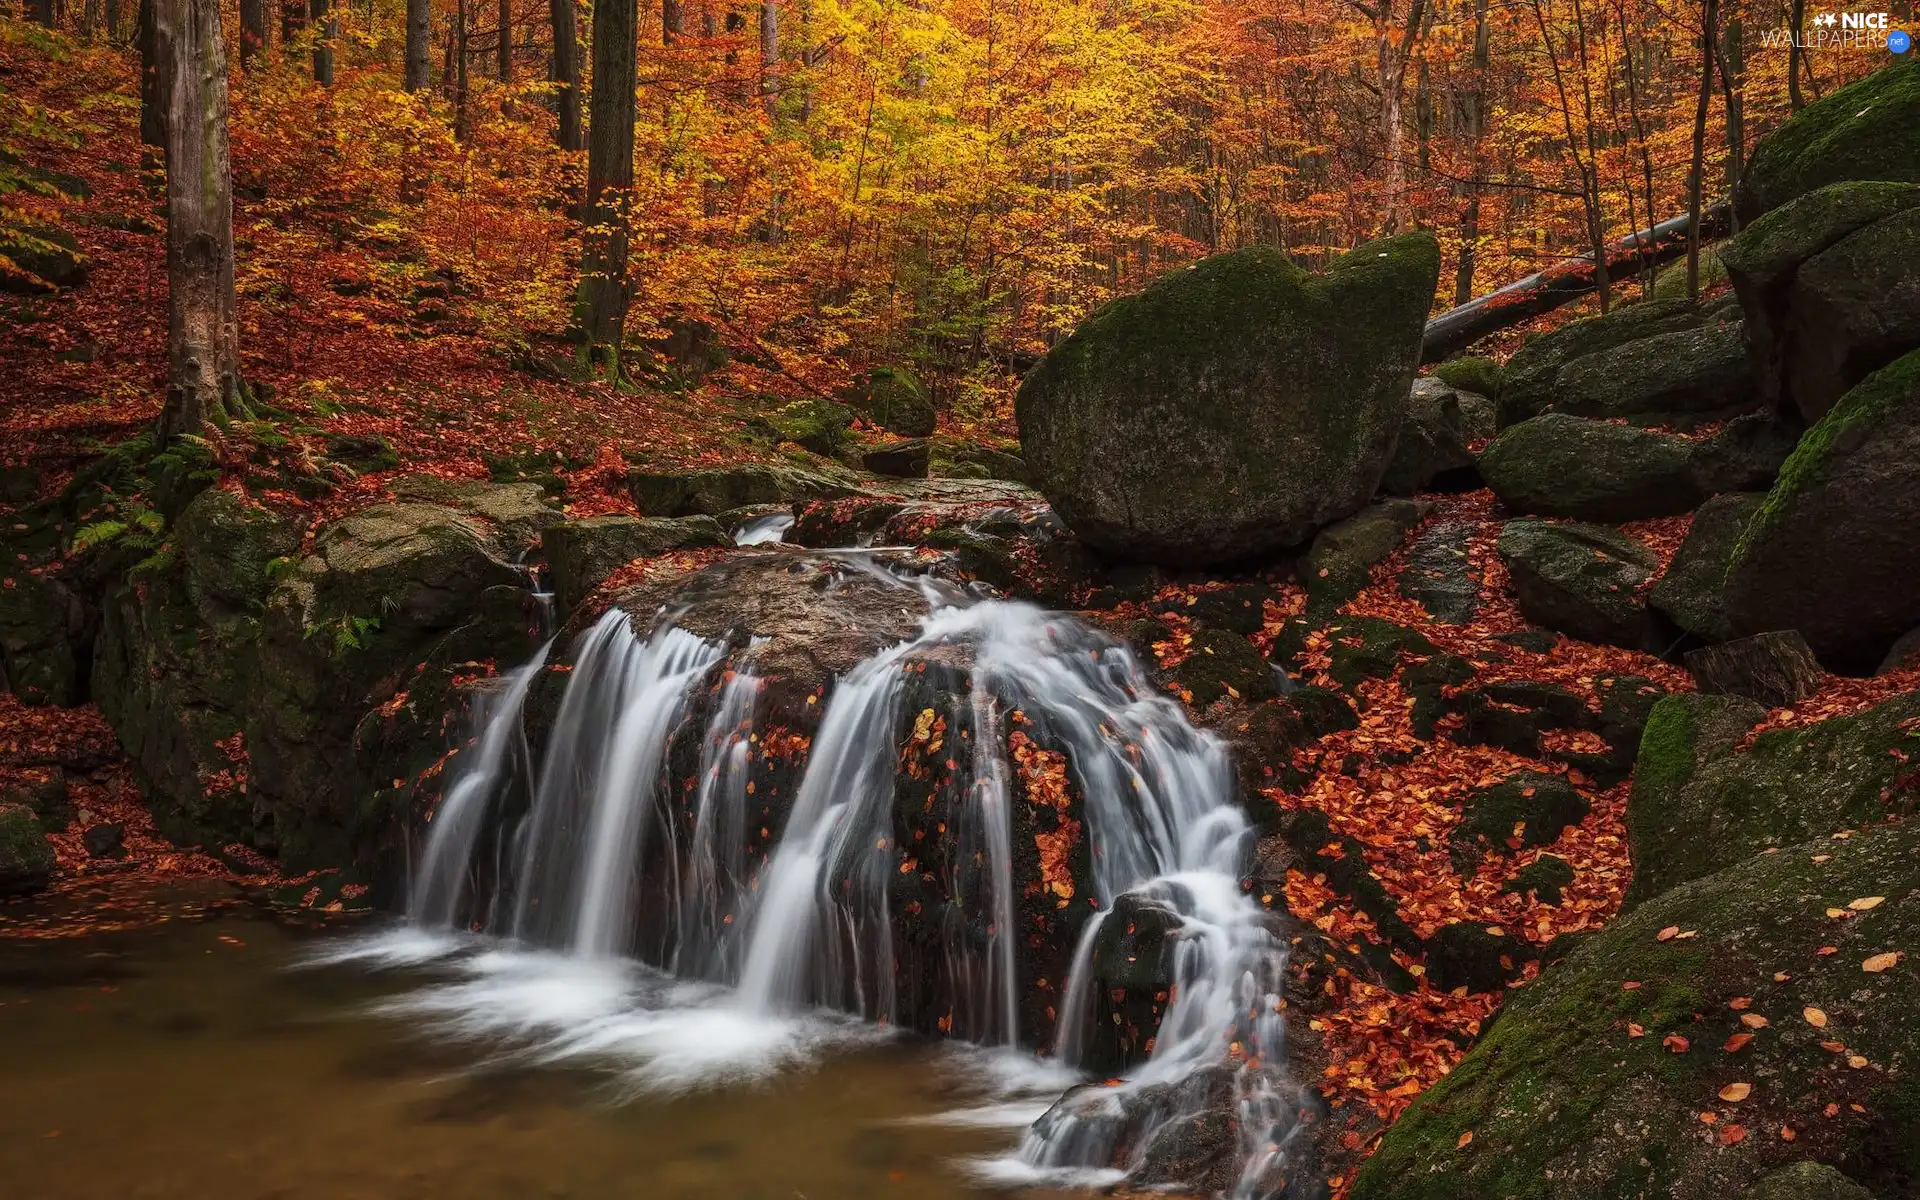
1336 567
1524 810
1835 550
26 860
1234 406
1561 466
1680 378
1591 1083
1444 427
1702 800
41 623
1220 664
910 459
1745 455
1481 376
895 399
1690 592
1581 580
1529 385
821 426
715 490
1441 574
40 258
1852 309
956 458
1869 129
1805 1180
581 554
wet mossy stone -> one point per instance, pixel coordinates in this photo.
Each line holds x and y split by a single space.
710 491
1440 574
894 399
1744 456
1470 955
1529 807
1427 682
1869 129
1343 861
1240 607
1134 947
510 515
581 554
45 791
1220 663
1435 450
41 626
363 452
1514 714
1680 378
1806 1180
1528 385
1343 555
26 858
1545 879
1267 737
1690 593
821 426
1581 580
1481 376
230 549
1701 801
1564 1104
1370 648
1562 466
1234 406
44 258
958 459
1854 308
1835 550
901 460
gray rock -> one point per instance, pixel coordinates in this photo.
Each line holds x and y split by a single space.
1691 591
1581 580
26 860
1437 442
1561 466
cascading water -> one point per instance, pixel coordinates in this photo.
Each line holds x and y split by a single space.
621 855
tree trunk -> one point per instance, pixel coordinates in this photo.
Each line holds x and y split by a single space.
293 18
203 373
1733 67
419 25
90 19
113 20
1696 180
503 57
41 11
770 57
253 31
566 73
673 22
153 80
462 129
1796 29
1475 106
329 32
604 288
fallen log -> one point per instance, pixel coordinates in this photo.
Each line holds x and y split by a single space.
1543 291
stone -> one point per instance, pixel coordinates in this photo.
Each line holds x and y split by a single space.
43 789
1905 654
711 491
1337 566
820 426
1777 669
1232 408
1561 466
362 452
1437 443
1581 580
1529 385
1869 129
105 840
896 400
47 257
1690 592
902 460
1440 574
1481 376
1470 955
1545 879
955 458
1744 456
1852 309
1835 549
582 553
1219 664
26 859
1680 378
1530 808
1703 800
41 622
1805 1180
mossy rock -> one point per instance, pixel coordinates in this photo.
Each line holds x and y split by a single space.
910 459
711 491
1240 607
1577 1092
1466 954
26 858
955 458
1267 738
1805 1180
1544 879
365 453
1514 714
1853 308
1528 385
230 549
1528 807
896 400
1441 575
1835 549
1561 466
1480 376
821 426
45 258
1581 580
1690 591
1869 129
1683 378
1745 455
1370 648
1671 281
1337 566
1219 664
1701 802
41 642
1234 406
1436 446
581 554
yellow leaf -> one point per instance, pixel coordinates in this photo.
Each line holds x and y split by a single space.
1880 962
1866 902
1734 1093
1814 1017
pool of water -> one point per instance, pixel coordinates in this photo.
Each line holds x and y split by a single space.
225 1053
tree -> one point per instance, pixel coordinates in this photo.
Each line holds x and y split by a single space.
419 22
503 53
329 33
203 372
253 30
153 81
40 10
1696 179
566 73
770 56
601 311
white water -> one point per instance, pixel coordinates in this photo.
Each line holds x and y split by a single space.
763 530
763 965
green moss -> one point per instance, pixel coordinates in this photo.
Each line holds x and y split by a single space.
1769 249
26 860
1869 129
1667 746
1671 282
1480 375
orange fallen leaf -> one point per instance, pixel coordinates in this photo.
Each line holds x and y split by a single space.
1815 1017
1734 1093
1464 1139
1675 1043
1732 1135
1833 1047
1737 1043
1881 962
1753 1021
1866 902
1740 1003
1787 1134
1827 951
1635 1030
1709 1118
1667 934
1856 1061
1831 1110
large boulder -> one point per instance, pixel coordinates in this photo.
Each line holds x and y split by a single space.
1530 384
710 491
1764 263
26 860
1341 560
1745 455
1445 426
1678 378
894 399
1561 466
1835 550
1734 996
40 258
1690 593
581 554
1854 308
1703 800
1233 407
1869 129
40 627
1581 580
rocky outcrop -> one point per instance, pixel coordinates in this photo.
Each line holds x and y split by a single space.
894 399
1531 383
1869 129
1233 407
1338 564
716 490
1591 1083
1680 378
1581 580
42 258
1561 466
1835 549
581 554
26 860
820 426
1703 799
1690 592
1445 426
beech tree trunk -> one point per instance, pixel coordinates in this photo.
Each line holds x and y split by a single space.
673 22
253 31
153 81
604 288
566 73
770 57
419 23
329 31
1696 183
41 11
203 374
503 54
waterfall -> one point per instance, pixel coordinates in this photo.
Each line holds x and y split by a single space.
636 846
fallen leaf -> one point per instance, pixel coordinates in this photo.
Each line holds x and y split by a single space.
1880 962
1731 1135
1634 1031
1737 1042
1833 1047
1827 951
1753 1020
1464 1139
1734 1093
1856 1061
1708 1118
1667 934
1787 1134
1866 902
1675 1043
1815 1017
1740 1003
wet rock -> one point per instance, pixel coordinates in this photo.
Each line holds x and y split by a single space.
1701 801
1777 669
1529 385
105 840
1561 466
1581 580
821 426
1440 575
1563 1104
1835 549
26 859
1337 566
955 458
1904 655
1514 715
1269 735
1690 593
905 460
1527 808
45 791
1681 378
1370 648
1746 456
581 554
1544 879
1232 408
1805 1180
896 400
1134 948
1436 447
1239 607
1471 955
720 489
1220 663
41 628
